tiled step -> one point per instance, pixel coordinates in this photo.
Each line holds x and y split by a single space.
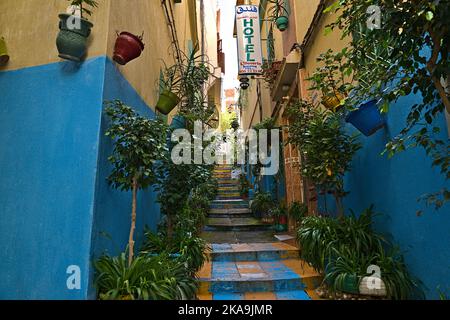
281 295
253 252
255 276
231 212
229 204
235 224
238 236
228 189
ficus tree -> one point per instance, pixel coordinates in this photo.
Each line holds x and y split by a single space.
139 143
326 149
407 53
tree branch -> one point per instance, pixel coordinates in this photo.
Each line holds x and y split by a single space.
431 66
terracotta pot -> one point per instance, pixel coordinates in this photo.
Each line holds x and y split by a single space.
128 47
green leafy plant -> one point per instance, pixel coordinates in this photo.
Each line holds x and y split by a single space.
84 5
262 203
138 144
333 77
147 278
244 185
326 149
298 210
277 10
407 54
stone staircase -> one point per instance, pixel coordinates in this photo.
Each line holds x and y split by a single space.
246 263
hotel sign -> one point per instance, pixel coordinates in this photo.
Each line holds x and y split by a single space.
249 40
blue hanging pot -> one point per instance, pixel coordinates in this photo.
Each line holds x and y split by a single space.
367 118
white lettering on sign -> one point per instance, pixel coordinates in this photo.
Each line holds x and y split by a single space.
249 40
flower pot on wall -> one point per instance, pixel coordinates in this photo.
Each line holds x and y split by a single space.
282 23
72 38
167 102
367 118
4 57
128 47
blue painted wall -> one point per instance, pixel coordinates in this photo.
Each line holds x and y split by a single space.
54 199
113 207
393 186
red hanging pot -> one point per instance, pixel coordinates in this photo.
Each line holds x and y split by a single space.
128 47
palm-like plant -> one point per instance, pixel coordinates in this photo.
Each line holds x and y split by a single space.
147 278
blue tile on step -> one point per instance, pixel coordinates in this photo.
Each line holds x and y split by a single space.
293 295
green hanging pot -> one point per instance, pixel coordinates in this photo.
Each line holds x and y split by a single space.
167 102
282 23
4 57
72 38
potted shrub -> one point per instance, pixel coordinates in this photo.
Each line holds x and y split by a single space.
138 144
330 78
298 211
326 149
279 14
75 30
128 47
4 57
262 203
244 186
280 215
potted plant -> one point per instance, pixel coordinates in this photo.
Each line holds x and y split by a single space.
170 85
128 47
262 203
270 71
4 57
279 14
75 30
326 149
297 211
331 79
138 144
280 215
244 187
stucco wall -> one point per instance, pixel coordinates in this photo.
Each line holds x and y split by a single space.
49 162
30 29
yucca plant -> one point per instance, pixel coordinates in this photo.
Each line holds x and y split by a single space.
147 278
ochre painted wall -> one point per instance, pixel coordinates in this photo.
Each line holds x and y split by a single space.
30 28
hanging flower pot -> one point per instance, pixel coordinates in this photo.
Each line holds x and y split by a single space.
128 47
282 23
367 118
4 57
167 102
332 101
72 38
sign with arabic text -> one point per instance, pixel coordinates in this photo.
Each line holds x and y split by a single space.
249 40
